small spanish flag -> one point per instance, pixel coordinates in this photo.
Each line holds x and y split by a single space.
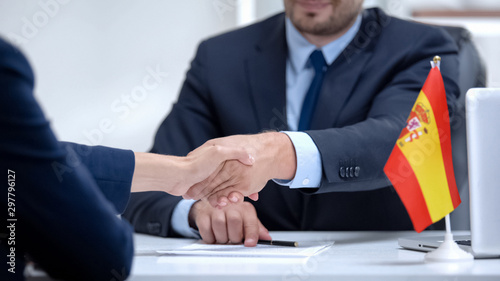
420 166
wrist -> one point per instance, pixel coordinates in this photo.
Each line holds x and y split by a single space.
282 158
192 215
155 172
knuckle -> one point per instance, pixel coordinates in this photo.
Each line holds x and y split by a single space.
248 207
217 148
202 223
222 241
207 239
236 238
251 228
219 221
234 220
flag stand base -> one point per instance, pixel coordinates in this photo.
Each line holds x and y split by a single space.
448 251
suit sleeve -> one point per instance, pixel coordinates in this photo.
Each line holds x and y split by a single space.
367 144
151 212
65 223
111 169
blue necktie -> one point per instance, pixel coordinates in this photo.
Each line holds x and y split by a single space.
319 64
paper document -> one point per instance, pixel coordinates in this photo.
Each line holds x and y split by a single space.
305 249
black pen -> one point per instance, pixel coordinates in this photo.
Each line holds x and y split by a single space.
278 243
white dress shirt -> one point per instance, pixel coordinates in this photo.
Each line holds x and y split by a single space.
299 74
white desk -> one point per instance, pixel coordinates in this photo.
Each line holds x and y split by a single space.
354 256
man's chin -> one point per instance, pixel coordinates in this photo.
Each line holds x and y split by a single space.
311 7
308 24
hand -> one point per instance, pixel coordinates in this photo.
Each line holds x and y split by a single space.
228 225
209 159
274 158
175 175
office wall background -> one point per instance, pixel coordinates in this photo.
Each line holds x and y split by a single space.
107 72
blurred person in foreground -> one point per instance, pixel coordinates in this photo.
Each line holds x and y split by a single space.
60 200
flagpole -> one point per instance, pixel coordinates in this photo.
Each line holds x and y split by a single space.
448 251
438 184
447 223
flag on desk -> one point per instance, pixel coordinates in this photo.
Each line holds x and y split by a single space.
420 166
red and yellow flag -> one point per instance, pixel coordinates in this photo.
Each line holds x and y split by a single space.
420 166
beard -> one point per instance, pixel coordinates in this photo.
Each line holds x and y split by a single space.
342 17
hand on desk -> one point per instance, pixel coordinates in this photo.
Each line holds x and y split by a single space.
232 224
274 158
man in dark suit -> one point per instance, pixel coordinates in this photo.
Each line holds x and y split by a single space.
257 78
60 200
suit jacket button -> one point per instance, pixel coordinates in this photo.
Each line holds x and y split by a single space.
342 172
356 171
351 172
154 227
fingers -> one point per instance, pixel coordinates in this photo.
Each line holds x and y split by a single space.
235 197
219 227
222 200
205 160
213 200
220 154
216 178
231 150
251 227
204 224
247 159
223 182
196 189
231 224
263 232
254 196
234 226
217 186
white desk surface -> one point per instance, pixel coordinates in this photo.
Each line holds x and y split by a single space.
354 256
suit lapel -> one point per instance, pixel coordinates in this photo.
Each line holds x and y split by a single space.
266 71
341 78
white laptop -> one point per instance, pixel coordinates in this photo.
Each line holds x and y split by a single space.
483 152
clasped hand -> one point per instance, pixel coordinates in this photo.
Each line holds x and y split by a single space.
220 171
273 157
230 167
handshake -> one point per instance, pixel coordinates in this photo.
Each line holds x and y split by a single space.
220 171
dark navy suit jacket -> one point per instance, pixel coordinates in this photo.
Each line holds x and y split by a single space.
64 198
237 85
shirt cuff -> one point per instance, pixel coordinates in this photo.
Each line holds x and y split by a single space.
180 220
308 173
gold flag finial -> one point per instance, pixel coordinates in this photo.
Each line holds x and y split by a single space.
436 59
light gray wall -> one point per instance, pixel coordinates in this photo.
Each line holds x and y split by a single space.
107 72
265 8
